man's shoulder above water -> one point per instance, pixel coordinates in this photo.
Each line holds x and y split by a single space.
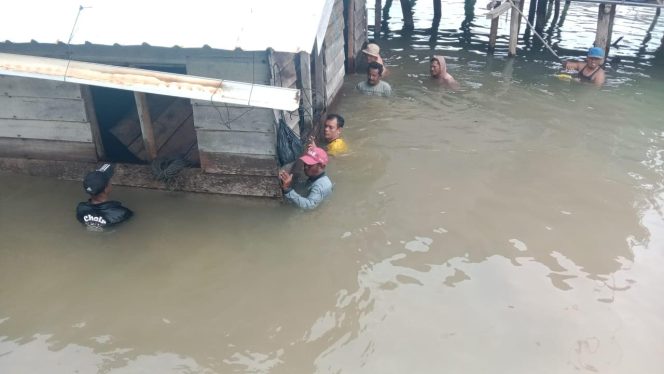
101 215
382 88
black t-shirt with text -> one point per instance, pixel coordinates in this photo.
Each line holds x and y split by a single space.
99 216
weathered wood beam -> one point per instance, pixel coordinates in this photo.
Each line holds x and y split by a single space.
515 24
605 16
407 11
493 32
437 11
377 18
541 15
350 45
91 113
149 81
147 128
304 84
189 179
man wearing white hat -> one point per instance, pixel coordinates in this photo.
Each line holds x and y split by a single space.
372 51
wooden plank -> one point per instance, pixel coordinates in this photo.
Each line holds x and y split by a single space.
498 10
605 16
189 180
377 18
319 83
228 163
147 129
91 114
334 33
46 130
180 142
515 23
334 73
334 85
47 149
177 114
350 36
254 143
493 32
151 81
45 109
207 117
304 84
250 71
30 87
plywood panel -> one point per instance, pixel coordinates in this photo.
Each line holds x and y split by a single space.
228 163
47 130
71 110
169 121
243 70
30 87
256 143
47 149
207 117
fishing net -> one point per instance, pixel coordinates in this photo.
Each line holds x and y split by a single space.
289 145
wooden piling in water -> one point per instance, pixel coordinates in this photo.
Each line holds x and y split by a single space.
377 18
493 32
541 15
407 11
437 11
605 18
515 24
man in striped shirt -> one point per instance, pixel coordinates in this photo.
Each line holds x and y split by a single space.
374 85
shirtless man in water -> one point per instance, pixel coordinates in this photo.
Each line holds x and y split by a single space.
591 70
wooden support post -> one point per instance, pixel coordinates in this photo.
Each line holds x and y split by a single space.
493 33
515 23
377 18
91 114
437 11
147 130
564 13
605 17
304 84
541 15
407 11
350 40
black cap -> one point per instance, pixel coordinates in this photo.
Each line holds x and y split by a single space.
96 181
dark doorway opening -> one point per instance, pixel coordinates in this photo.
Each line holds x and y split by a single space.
120 127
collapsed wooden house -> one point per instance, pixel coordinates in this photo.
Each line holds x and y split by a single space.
62 127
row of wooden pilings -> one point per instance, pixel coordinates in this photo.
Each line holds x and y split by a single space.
538 15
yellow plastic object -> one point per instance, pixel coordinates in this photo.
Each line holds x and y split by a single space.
564 76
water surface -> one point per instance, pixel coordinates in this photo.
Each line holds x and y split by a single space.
513 226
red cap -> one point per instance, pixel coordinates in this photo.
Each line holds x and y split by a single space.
314 156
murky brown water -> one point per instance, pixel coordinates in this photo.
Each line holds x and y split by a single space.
513 227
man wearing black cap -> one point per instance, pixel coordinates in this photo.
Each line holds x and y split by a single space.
100 212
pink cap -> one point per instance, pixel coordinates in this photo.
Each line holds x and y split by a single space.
315 155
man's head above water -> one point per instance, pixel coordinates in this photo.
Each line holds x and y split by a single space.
374 73
333 125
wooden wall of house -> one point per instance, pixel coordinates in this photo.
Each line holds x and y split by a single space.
284 73
42 119
334 54
356 32
235 139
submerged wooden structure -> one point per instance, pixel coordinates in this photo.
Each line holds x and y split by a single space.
62 128
539 13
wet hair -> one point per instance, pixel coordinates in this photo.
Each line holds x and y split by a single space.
340 119
377 66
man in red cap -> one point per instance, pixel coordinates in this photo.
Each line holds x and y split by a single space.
319 186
